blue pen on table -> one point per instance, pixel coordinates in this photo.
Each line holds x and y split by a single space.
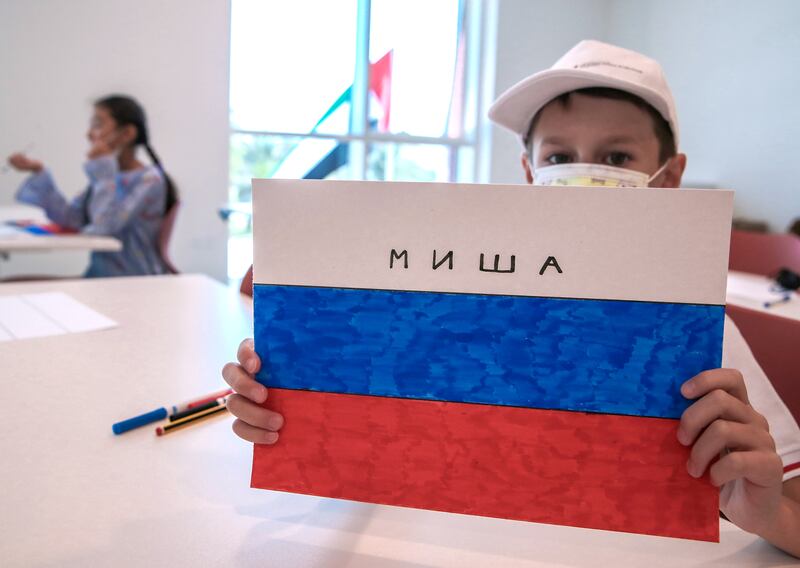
164 411
785 298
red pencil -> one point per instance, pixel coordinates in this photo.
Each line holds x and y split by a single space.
208 398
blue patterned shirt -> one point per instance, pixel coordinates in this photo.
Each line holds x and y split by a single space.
126 205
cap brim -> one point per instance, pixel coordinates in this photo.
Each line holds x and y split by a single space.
515 108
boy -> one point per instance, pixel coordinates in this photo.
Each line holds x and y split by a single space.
603 115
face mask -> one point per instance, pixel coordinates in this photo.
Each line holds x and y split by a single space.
598 175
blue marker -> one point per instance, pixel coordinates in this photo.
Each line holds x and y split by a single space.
141 420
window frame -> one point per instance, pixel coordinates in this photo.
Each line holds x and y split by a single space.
479 41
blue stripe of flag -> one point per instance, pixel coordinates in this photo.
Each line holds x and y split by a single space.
604 356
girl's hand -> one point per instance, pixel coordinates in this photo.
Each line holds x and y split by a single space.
732 440
23 163
253 422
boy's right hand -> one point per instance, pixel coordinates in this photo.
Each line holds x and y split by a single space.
23 163
253 422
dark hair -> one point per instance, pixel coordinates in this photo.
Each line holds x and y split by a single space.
125 110
666 138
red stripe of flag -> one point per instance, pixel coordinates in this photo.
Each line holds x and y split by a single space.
380 83
600 471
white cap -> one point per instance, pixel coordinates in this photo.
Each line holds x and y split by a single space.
589 64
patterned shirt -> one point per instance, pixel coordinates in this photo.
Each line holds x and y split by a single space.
126 205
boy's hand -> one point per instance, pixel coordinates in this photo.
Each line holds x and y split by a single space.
722 424
253 422
23 163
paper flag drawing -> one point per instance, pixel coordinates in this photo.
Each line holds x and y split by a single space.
491 350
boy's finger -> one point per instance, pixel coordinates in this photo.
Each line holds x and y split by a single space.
713 406
243 383
729 380
253 414
247 357
255 435
761 468
246 347
724 435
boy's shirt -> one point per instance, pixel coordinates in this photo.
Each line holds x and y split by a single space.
782 426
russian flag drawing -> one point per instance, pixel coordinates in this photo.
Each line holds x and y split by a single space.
503 351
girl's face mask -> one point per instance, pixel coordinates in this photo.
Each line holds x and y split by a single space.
598 175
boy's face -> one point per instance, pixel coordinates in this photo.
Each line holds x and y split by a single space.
598 130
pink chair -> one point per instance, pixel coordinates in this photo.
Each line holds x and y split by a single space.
764 253
773 339
774 342
247 283
164 236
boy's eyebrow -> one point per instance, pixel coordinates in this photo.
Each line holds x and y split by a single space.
620 139
555 140
613 139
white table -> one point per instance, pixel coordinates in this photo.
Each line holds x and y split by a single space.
13 239
75 495
744 290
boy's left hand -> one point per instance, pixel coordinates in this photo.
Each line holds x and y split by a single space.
722 424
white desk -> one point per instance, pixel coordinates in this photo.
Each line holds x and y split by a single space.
13 239
75 495
742 285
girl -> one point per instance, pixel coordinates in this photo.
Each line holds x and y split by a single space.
125 199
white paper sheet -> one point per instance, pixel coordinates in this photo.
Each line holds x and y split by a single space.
8 232
51 313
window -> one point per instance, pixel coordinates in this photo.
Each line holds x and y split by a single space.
352 89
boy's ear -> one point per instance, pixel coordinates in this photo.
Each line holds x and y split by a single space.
673 173
526 165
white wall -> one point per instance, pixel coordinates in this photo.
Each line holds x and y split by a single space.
57 56
531 36
732 65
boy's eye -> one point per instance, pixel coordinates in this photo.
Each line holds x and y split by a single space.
555 159
618 159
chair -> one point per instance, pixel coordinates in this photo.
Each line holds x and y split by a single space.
773 341
164 236
247 283
764 253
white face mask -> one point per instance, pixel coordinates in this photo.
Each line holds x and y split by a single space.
598 175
